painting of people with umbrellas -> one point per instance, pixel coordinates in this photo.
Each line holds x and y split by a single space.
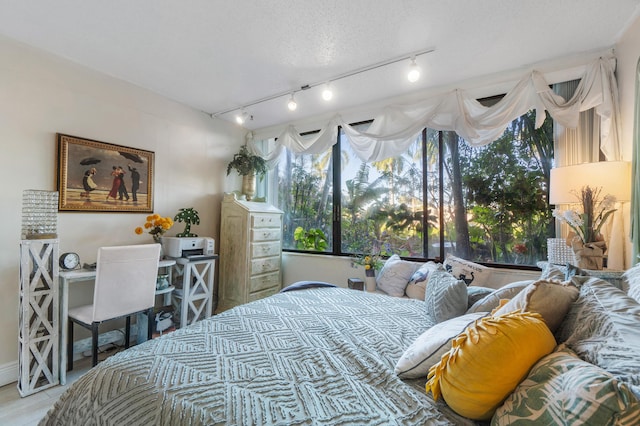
97 176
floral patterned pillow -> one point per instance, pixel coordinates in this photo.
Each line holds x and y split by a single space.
563 389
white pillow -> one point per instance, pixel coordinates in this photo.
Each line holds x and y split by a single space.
395 275
429 347
470 272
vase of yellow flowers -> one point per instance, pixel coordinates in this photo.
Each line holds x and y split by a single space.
370 264
585 240
155 225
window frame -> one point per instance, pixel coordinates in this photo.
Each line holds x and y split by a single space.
337 200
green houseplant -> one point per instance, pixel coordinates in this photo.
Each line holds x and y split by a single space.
248 166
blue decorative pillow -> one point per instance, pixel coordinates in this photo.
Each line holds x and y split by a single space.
445 296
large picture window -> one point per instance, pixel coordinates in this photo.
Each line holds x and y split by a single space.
488 204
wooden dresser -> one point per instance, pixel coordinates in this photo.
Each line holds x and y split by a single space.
250 252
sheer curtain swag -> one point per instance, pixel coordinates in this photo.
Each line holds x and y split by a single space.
395 128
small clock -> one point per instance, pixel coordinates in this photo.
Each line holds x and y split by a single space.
69 261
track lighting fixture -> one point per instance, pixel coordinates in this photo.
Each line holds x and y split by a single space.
327 93
292 104
414 71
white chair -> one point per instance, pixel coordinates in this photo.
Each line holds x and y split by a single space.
125 285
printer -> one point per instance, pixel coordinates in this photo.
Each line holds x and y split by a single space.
188 246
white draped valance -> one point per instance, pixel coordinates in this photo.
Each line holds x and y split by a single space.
397 126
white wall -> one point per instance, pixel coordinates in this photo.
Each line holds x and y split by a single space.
41 95
628 52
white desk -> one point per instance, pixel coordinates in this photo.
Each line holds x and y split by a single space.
67 277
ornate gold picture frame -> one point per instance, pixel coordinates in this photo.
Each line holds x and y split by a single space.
96 176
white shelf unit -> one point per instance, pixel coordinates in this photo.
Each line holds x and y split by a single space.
193 295
38 338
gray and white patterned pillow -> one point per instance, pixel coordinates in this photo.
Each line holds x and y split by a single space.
445 296
632 277
603 328
563 389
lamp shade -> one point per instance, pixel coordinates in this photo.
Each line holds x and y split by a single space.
614 177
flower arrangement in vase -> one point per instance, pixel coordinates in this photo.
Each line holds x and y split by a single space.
586 240
370 262
156 226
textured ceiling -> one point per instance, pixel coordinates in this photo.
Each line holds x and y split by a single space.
215 55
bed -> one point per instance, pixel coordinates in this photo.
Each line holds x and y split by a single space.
321 356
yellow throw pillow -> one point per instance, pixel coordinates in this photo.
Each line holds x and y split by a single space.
487 361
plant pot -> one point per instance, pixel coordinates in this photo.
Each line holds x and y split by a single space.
370 280
249 186
590 255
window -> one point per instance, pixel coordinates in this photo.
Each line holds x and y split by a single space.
305 194
487 204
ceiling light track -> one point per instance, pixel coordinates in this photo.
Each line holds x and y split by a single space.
326 82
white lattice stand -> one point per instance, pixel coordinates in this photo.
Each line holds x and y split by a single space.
39 316
193 296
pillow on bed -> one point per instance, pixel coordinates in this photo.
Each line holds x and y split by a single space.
429 347
551 299
469 272
553 272
574 390
475 293
395 275
418 282
445 296
492 301
487 362
632 276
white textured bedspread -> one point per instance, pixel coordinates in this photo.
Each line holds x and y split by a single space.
318 356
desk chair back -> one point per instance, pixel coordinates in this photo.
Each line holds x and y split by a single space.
125 280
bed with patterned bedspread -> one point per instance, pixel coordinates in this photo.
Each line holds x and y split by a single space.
313 356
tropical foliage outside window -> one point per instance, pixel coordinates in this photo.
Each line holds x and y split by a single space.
486 204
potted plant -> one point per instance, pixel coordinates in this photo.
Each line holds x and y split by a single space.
190 217
248 166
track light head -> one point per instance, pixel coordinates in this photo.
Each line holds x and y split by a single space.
292 104
327 93
414 71
241 117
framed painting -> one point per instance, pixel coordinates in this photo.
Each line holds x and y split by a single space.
96 176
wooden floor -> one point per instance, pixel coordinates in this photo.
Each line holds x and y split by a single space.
28 411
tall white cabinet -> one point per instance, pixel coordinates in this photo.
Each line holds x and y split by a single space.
250 252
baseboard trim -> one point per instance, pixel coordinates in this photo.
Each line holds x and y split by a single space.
9 373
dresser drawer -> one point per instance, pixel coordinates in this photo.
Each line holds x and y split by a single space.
264 265
271 248
265 234
265 221
262 282
262 294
